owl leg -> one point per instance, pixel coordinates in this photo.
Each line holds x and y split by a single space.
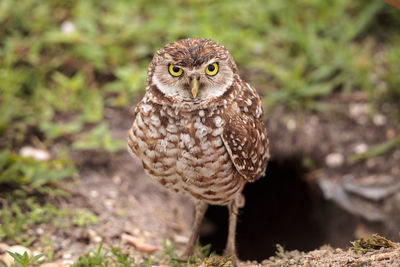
233 208
201 208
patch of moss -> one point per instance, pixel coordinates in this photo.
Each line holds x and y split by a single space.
217 261
364 245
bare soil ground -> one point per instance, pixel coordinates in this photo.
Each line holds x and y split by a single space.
327 256
126 202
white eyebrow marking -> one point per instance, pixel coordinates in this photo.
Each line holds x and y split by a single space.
211 61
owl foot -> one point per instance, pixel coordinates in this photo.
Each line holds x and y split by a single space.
201 208
231 255
188 252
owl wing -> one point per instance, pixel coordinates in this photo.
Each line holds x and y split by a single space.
245 138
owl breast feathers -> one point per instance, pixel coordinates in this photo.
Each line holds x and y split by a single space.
199 128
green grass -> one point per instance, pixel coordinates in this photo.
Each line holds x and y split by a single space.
21 213
24 260
105 256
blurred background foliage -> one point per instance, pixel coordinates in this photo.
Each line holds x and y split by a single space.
62 63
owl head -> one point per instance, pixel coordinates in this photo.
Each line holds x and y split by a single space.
192 70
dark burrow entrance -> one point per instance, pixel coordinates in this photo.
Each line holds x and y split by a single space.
281 208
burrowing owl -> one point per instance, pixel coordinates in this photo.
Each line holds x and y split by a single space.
199 129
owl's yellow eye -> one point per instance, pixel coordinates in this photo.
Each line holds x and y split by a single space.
174 70
212 69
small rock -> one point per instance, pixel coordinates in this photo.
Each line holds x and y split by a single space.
117 179
93 193
359 112
360 148
113 193
109 204
67 27
67 255
373 187
37 154
291 124
94 236
67 262
334 160
358 109
379 119
54 264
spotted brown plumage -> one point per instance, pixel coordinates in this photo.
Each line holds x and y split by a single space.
245 137
206 145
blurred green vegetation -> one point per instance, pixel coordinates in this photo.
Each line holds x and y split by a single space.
63 63
116 256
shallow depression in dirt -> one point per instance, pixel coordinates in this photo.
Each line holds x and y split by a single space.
281 208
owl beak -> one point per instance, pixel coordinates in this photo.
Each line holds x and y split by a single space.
194 85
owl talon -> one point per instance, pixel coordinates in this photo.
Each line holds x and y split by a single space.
232 257
186 255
